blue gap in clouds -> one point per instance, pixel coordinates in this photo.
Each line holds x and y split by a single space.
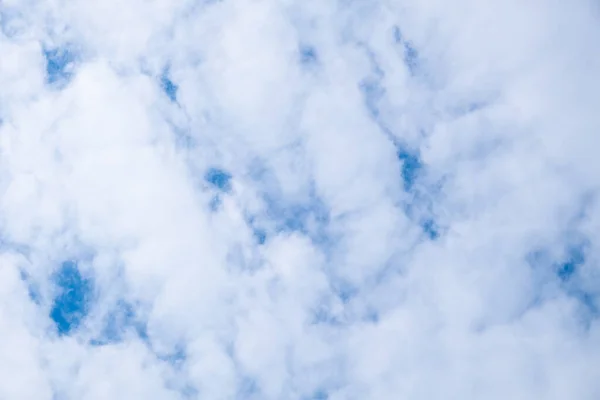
569 270
167 85
302 217
411 164
371 87
373 92
176 358
411 167
220 180
59 65
566 271
309 218
72 303
397 33
178 380
411 58
32 288
574 259
121 320
308 55
575 244
259 233
323 316
417 208
430 229
410 53
345 291
307 215
183 138
464 108
341 291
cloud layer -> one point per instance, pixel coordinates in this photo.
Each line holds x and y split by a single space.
259 199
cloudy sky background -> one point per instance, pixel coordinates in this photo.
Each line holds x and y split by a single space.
260 199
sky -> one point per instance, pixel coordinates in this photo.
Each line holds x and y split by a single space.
304 200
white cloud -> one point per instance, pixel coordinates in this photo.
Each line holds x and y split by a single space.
304 267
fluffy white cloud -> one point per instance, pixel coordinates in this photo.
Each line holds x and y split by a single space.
299 200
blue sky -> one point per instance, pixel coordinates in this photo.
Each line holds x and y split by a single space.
299 200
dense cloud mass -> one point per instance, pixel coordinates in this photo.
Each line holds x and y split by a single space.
276 199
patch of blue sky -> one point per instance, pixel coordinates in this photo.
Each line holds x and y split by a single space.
260 235
215 203
324 316
371 315
371 87
588 302
430 229
345 291
311 218
411 167
464 108
298 217
179 381
73 300
60 64
411 163
397 34
419 205
219 179
118 323
332 308
411 58
575 257
33 289
176 358
307 215
168 86
308 55
567 271
373 93
410 54
349 315
182 134
259 232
